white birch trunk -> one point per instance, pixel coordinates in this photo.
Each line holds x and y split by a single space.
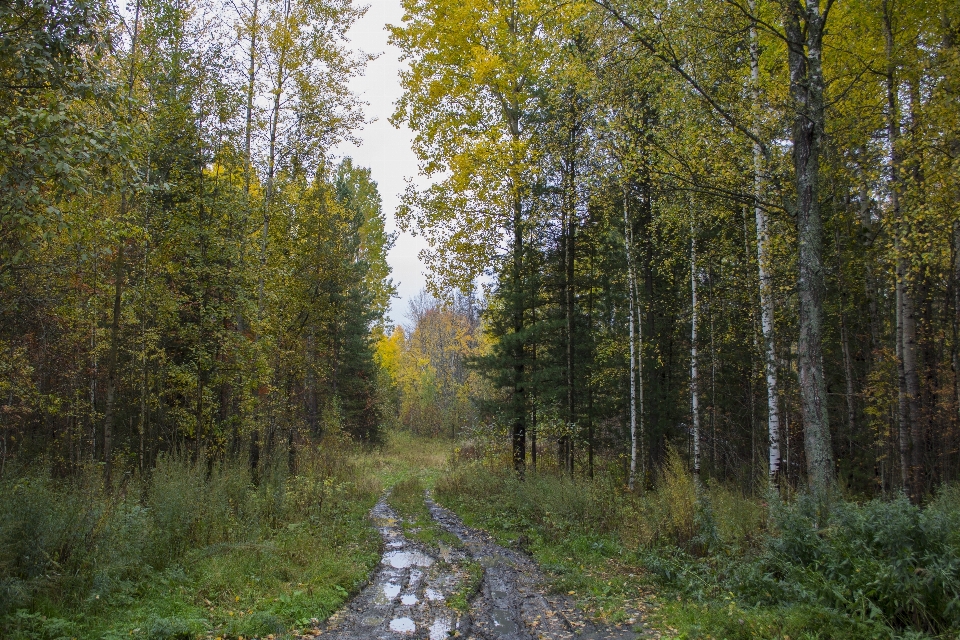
766 288
627 241
694 392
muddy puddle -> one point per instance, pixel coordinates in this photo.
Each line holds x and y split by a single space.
408 593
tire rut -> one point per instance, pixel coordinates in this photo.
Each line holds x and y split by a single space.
408 594
512 603
406 598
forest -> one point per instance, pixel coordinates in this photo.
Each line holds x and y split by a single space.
690 343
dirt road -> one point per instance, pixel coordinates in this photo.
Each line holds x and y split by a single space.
409 594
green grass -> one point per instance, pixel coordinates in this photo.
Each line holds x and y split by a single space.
187 554
718 620
709 563
460 599
404 455
406 498
561 523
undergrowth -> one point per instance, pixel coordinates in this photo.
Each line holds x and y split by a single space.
406 498
710 563
194 550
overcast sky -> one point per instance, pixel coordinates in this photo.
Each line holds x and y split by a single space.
383 148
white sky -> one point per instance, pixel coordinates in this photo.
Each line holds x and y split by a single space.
383 148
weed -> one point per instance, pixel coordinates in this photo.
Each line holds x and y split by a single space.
191 550
460 599
832 569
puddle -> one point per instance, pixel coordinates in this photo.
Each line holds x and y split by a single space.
404 559
396 544
371 621
432 594
408 599
502 621
440 629
402 625
489 562
387 593
446 552
415 575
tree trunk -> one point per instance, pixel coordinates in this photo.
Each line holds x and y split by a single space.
569 292
903 420
766 284
804 28
627 239
955 321
110 409
519 401
533 409
251 86
694 387
845 349
271 162
908 380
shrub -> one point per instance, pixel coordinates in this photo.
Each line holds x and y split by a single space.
70 551
889 561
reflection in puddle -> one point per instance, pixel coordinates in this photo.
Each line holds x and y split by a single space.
404 559
387 593
433 594
440 629
502 621
446 552
415 575
408 599
402 625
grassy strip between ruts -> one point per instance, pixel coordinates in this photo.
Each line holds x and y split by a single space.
191 553
415 464
710 564
406 498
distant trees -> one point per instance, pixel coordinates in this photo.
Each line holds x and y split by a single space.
825 308
184 266
428 365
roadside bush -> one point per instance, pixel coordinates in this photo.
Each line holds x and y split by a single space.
74 554
888 561
808 568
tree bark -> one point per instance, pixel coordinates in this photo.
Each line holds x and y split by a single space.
272 161
569 297
110 409
767 326
694 385
251 86
627 241
845 350
908 380
804 27
519 399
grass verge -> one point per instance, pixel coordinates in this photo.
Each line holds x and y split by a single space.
709 563
193 552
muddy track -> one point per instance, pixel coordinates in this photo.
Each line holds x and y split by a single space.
407 596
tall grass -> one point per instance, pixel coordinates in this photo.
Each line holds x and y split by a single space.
199 542
740 568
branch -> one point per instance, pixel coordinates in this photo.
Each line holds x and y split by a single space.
674 63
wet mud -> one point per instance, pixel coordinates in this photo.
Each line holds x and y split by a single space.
408 594
512 603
